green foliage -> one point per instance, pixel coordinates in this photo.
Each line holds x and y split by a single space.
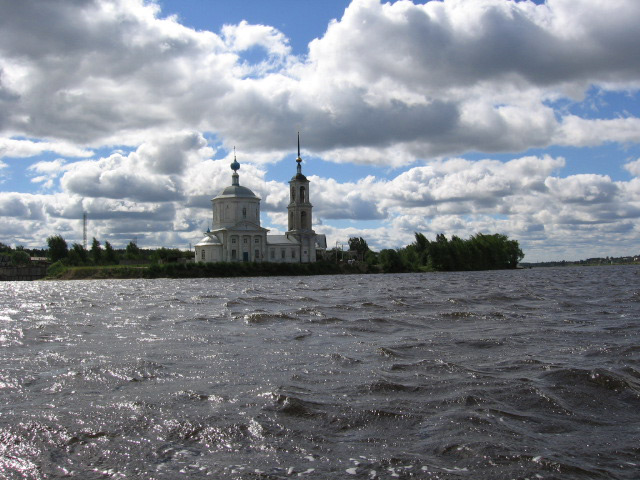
20 257
56 269
132 251
480 252
58 248
110 256
168 255
96 252
358 244
78 255
390 261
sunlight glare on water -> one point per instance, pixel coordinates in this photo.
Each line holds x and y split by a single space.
484 375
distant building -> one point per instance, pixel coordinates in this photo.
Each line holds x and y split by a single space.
236 234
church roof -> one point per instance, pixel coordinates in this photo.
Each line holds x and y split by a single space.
209 239
236 191
281 240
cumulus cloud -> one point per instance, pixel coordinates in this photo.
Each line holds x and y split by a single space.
21 148
396 85
633 168
152 173
439 78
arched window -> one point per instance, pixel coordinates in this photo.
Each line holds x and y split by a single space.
293 193
244 212
303 220
302 190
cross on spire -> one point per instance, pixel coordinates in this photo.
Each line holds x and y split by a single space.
299 159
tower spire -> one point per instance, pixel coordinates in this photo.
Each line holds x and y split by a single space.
299 159
235 166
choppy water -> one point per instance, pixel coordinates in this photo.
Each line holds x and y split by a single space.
487 375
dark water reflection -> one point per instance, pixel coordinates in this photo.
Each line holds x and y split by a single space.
519 374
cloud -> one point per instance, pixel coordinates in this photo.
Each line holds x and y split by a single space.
581 132
633 168
430 80
244 36
394 85
152 173
21 148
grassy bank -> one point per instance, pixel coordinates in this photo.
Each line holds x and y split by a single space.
201 270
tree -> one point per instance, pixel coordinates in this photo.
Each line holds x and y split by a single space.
20 257
110 256
58 248
390 261
132 252
96 251
78 255
358 244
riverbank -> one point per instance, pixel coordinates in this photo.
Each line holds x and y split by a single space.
202 270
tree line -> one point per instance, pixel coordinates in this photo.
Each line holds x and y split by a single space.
479 252
77 255
18 256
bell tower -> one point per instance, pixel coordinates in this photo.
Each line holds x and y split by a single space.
300 207
300 213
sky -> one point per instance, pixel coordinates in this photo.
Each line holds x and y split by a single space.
454 116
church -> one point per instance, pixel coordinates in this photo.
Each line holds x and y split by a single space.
236 234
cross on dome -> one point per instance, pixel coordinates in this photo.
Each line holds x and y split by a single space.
235 166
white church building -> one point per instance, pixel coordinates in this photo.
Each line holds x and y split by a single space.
236 234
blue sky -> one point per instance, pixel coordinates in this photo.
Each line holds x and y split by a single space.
454 116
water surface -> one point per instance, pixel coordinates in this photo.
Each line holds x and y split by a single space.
483 375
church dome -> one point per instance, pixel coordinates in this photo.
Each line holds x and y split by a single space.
236 191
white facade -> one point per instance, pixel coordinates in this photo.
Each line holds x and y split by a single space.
236 234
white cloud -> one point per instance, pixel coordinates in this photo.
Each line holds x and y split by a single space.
20 148
392 85
428 80
152 173
581 132
633 168
244 36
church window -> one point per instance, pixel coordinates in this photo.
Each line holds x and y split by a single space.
244 212
246 240
282 253
233 240
293 254
273 254
233 254
302 190
293 194
257 240
257 255
202 254
303 220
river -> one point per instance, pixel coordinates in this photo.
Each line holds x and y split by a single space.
482 375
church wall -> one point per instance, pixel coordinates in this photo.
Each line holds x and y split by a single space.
283 254
209 253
